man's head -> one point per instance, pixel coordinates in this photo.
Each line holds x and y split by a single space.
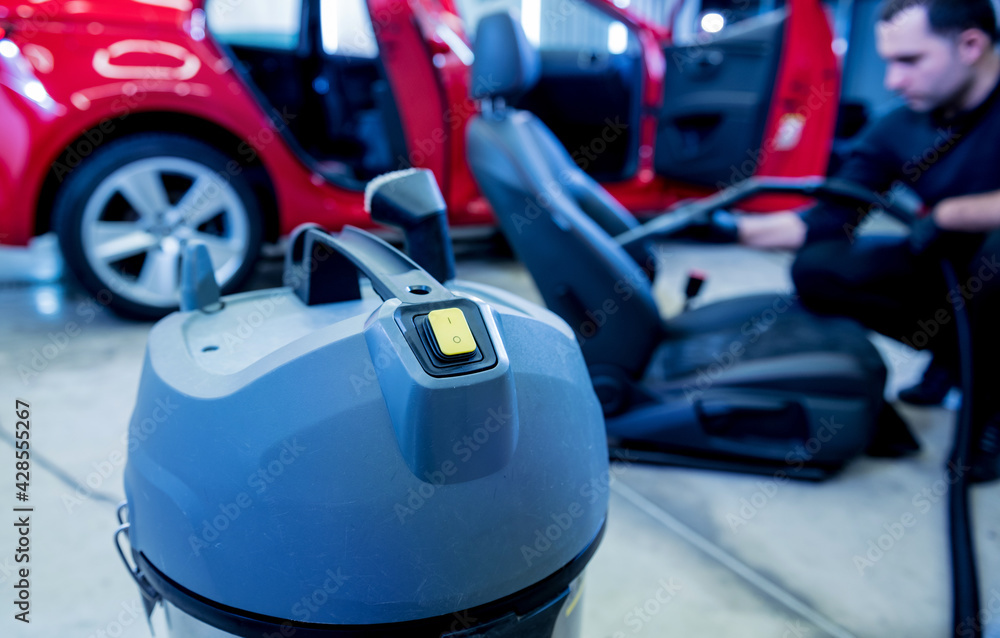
935 49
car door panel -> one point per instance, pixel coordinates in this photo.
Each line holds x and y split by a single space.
716 100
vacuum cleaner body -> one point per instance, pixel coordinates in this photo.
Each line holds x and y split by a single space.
371 459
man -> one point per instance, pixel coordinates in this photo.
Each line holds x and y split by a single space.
945 145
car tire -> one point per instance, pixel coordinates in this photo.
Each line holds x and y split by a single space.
125 213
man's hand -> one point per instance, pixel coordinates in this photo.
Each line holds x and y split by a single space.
969 213
784 230
966 214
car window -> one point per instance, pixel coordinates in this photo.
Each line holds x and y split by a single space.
266 24
347 29
696 19
557 25
658 12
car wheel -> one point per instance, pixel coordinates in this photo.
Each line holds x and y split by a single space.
124 215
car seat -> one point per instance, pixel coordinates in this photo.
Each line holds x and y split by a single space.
749 384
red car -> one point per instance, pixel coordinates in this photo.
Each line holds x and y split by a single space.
133 126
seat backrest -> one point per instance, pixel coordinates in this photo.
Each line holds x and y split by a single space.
557 219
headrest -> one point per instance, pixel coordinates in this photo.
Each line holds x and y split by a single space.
506 64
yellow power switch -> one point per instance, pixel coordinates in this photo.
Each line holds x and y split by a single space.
451 331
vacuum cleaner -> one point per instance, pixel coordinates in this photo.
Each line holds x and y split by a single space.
372 450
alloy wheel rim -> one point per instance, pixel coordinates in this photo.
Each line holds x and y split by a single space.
137 221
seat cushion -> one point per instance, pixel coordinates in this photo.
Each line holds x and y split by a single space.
776 338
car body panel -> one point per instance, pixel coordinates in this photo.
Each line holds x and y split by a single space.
799 134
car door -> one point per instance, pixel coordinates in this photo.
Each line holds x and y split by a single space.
749 89
412 64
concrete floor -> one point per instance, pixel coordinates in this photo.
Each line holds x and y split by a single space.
731 555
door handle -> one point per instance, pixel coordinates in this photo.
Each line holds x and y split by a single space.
704 63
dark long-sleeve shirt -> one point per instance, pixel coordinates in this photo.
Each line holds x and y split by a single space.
935 156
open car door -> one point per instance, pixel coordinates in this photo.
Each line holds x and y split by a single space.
757 97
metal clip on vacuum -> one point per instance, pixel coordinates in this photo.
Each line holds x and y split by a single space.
149 595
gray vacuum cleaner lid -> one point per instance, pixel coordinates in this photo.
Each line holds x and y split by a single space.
283 445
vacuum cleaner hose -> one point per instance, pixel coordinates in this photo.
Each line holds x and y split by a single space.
965 584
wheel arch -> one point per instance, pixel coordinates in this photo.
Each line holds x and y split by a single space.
211 133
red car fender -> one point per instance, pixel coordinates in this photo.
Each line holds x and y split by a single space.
15 228
23 119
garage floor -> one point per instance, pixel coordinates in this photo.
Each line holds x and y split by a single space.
687 552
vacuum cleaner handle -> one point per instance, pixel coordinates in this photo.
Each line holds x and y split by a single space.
411 200
323 268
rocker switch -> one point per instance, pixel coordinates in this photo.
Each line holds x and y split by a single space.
451 332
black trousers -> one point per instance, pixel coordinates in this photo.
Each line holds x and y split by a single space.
878 282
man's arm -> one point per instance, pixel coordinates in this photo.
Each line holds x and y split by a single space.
784 231
873 163
969 213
